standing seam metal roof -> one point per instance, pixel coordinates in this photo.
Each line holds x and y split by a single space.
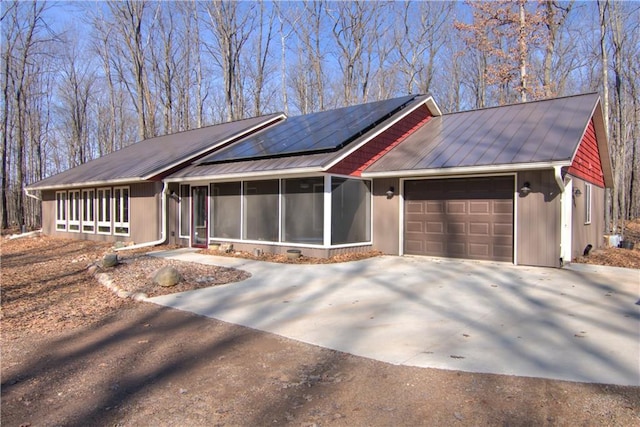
533 132
154 155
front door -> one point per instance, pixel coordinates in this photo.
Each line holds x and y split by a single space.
199 216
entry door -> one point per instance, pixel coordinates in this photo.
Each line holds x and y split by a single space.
199 216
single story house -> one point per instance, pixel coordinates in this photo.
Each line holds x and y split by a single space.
522 183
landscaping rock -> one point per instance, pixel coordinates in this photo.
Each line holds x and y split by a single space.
167 276
110 260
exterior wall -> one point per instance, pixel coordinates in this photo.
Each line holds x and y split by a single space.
587 234
144 217
538 220
365 156
173 216
386 216
587 163
144 208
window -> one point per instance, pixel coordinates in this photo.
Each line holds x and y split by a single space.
61 210
88 215
74 211
121 211
104 210
184 211
587 204
225 210
303 210
350 211
260 218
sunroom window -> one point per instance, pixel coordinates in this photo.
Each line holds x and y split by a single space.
260 218
121 210
303 210
61 210
350 211
88 214
74 211
225 210
104 210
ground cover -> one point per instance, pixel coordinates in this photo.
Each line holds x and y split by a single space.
73 353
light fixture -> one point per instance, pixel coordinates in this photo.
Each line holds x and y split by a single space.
390 192
577 192
526 188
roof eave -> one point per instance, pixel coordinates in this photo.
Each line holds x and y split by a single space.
467 170
247 175
103 183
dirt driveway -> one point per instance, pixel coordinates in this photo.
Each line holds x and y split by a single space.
73 354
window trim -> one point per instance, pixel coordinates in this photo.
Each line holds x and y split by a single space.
120 211
587 204
61 220
73 203
106 209
90 221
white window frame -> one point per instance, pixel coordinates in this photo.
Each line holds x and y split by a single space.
88 224
119 211
587 204
106 209
61 210
73 211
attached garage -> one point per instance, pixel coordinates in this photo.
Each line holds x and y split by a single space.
460 218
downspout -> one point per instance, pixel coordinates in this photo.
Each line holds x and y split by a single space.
33 196
558 175
163 232
23 226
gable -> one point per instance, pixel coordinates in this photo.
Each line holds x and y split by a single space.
358 161
587 162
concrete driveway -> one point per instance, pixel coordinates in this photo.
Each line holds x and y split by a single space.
580 323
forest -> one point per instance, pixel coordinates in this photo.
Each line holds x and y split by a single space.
82 79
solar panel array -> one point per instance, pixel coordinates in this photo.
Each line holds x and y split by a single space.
310 133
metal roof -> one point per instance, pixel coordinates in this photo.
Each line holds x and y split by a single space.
296 162
311 133
535 132
147 158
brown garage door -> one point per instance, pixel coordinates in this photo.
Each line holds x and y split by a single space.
459 218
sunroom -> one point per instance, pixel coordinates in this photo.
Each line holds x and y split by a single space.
295 184
321 214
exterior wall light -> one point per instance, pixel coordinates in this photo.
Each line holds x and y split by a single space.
577 192
390 192
526 188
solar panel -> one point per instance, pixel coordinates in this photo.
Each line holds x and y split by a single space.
316 132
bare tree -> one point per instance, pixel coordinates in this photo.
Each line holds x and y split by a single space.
231 24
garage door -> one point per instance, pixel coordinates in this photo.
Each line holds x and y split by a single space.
459 218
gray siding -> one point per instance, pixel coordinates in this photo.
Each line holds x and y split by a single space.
587 234
144 215
538 220
386 216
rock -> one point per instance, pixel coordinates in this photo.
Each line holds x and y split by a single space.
110 260
167 276
92 269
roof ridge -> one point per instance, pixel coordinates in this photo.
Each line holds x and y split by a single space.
522 103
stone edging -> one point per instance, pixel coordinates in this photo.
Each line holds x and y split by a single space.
105 280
